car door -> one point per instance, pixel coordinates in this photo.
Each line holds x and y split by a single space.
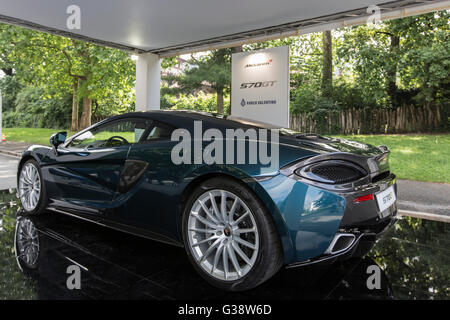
149 202
86 170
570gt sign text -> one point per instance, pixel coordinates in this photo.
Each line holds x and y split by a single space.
259 84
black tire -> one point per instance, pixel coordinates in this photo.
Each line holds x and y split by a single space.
270 256
28 268
42 202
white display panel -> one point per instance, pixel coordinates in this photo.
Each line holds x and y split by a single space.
260 86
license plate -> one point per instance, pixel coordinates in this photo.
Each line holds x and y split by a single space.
386 198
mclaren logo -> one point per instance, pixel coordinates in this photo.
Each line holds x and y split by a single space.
264 63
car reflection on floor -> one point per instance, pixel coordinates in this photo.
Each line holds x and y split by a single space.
115 265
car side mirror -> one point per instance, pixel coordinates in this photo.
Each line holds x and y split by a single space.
58 138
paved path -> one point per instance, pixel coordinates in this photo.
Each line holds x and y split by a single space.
425 197
8 170
13 148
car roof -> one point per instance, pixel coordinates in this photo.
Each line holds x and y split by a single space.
186 118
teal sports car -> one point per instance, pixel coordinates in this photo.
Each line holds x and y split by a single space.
240 215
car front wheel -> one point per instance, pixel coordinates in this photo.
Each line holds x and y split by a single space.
229 235
31 188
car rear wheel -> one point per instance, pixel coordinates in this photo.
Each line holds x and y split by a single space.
31 188
229 235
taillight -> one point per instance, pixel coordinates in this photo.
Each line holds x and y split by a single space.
363 198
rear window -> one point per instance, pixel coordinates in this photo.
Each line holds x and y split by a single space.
159 131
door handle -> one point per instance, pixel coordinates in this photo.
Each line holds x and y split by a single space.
67 152
82 154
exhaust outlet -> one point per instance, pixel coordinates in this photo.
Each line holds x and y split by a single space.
340 243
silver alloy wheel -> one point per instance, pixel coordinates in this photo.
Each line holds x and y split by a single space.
29 186
27 242
223 235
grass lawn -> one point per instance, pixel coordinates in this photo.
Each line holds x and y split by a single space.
31 135
414 157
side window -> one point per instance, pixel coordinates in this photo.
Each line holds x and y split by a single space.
112 134
159 131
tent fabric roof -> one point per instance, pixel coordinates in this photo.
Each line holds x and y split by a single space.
170 26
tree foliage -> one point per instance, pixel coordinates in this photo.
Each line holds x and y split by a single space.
104 77
418 64
212 70
384 66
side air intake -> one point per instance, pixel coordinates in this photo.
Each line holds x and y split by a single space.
332 172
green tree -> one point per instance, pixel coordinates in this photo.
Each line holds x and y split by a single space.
327 64
212 71
99 76
400 59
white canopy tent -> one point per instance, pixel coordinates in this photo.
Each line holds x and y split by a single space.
161 28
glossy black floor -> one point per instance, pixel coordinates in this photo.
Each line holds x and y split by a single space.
413 257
